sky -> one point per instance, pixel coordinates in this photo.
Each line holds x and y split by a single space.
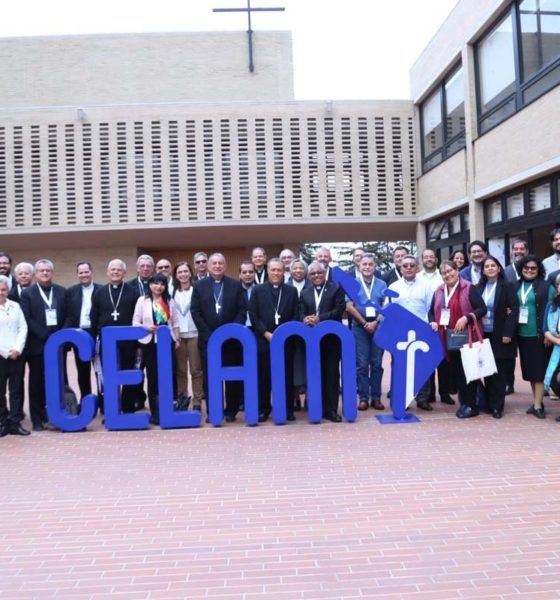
353 49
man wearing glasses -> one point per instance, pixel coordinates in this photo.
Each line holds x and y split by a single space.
200 260
145 268
416 296
164 266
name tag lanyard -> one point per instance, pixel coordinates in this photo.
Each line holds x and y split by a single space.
318 299
446 313
50 312
524 309
488 292
370 311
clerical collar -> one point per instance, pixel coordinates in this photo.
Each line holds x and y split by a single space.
116 285
318 287
275 285
217 280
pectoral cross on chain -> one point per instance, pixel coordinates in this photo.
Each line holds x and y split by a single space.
115 314
276 319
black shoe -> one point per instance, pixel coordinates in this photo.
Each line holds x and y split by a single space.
242 407
154 420
539 413
333 417
466 412
18 430
38 427
230 418
431 399
447 399
509 390
291 417
3 431
497 414
297 404
557 419
263 417
424 405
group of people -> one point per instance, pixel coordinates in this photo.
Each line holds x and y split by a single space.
515 308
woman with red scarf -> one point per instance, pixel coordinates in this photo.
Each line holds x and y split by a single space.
455 305
154 309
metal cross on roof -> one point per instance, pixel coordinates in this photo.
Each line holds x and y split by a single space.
250 10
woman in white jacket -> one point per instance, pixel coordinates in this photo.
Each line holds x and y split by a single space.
13 333
154 310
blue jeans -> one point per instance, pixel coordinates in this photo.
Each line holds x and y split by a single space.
369 368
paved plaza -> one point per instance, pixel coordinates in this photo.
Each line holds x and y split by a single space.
434 510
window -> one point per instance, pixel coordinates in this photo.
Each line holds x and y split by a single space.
443 121
514 205
539 197
518 60
494 212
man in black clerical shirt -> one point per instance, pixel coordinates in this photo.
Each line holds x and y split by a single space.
273 303
23 274
323 301
113 304
79 299
217 300
145 268
258 258
44 307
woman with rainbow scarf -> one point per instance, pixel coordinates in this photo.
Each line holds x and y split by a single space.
154 310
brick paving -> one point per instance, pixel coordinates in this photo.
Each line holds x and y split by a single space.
443 509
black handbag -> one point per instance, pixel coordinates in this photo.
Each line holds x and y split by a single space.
455 341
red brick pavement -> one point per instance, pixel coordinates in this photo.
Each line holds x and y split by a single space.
443 509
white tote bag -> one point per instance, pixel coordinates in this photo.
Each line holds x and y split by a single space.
477 357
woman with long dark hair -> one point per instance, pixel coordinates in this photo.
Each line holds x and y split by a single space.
499 326
186 353
459 258
533 294
154 310
456 304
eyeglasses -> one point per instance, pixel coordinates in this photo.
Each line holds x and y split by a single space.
444 273
530 268
200 262
247 272
315 273
408 266
161 267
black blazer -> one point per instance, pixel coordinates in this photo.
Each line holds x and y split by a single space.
14 293
390 277
203 306
505 325
332 303
262 308
33 307
140 290
102 307
265 279
74 304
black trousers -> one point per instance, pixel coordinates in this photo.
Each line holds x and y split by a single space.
265 378
330 374
37 399
231 356
467 391
149 352
11 378
129 393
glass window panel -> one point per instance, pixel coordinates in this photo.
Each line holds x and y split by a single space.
498 116
496 65
431 123
494 212
433 161
542 85
455 222
455 146
550 37
455 104
530 45
514 206
539 197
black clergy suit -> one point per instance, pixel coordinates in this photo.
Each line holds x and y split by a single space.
102 308
232 298
331 307
74 299
265 301
34 309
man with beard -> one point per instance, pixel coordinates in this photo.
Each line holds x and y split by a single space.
113 305
6 268
44 307
323 301
217 300
477 251
272 304
552 263
519 249
79 299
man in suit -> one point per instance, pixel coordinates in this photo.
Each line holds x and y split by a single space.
164 266
273 303
324 257
200 260
247 279
552 263
323 301
44 307
287 257
258 258
145 268
23 274
395 274
477 251
79 300
112 305
519 249
217 300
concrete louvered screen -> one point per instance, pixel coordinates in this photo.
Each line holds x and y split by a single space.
219 163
